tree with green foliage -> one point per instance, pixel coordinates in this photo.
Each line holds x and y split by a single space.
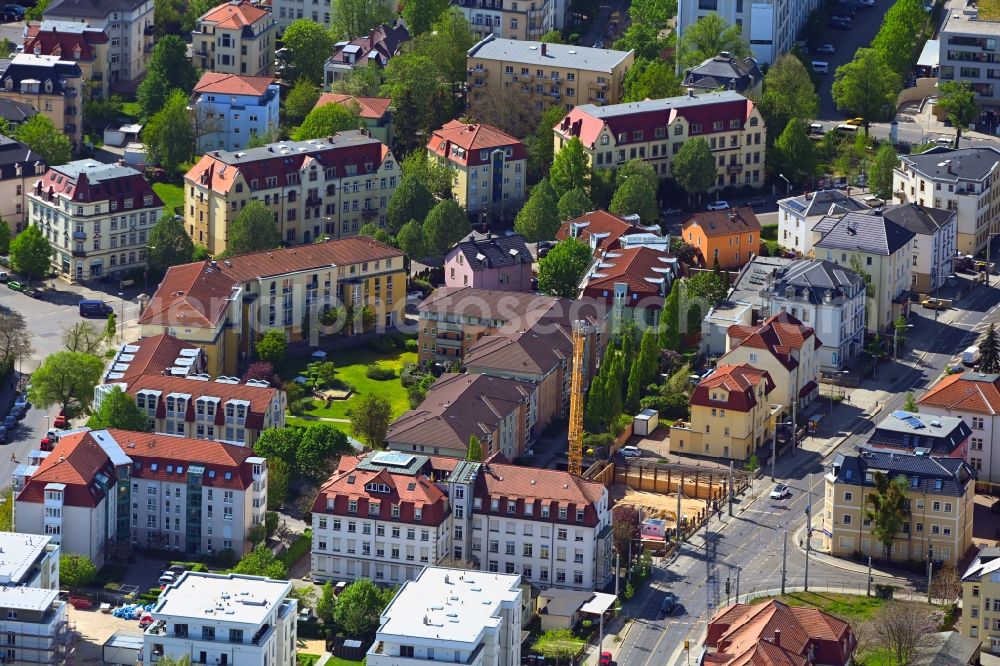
886 509
552 37
643 370
327 602
646 41
168 135
321 444
638 168
866 87
111 325
561 270
4 236
910 405
446 224
273 135
308 45
788 93
420 15
899 36
363 81
558 644
84 337
475 452
709 36
989 352
42 136
654 79
327 120
359 608
277 483
574 203
436 175
447 45
300 101
252 230
654 13
708 286
540 145
35 13
958 100
880 171
670 320
372 230
424 100
272 346
356 18
371 415
118 410
693 166
261 562
66 378
411 241
169 69
570 169
410 201
169 245
31 253
793 154
76 570
634 196
538 219
278 443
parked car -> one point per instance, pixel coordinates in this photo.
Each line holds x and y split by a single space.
175 570
873 202
816 128
756 202
858 122
167 579
825 48
60 420
93 308
945 141
15 285
718 205
4 276
670 211
669 603
630 452
780 491
605 659
845 127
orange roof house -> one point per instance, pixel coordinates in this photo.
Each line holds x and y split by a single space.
728 237
602 230
638 278
374 111
232 84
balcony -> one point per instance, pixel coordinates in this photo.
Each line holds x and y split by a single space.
79 235
369 213
79 254
734 168
475 71
597 86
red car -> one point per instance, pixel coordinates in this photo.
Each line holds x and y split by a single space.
60 420
606 659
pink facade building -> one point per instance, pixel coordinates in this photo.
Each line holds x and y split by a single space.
498 263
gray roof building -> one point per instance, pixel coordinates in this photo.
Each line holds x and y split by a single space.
860 232
946 648
90 8
817 281
548 55
493 251
928 474
920 433
755 277
922 220
15 112
954 165
822 202
725 71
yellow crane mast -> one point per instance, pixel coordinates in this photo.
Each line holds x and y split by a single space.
576 401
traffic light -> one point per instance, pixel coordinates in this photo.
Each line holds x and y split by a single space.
727 586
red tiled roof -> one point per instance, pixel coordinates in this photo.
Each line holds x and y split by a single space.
372 108
607 226
724 222
965 392
232 84
737 382
65 44
472 138
638 267
407 491
234 15
75 462
154 355
378 46
217 170
260 398
190 295
344 252
779 334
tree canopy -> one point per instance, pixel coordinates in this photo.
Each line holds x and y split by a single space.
560 271
693 166
371 415
866 86
410 201
41 135
327 120
707 37
356 18
261 562
300 101
169 244
880 171
635 196
254 229
886 509
169 69
574 204
958 100
788 93
359 607
410 239
793 154
168 135
66 378
31 253
308 46
446 224
271 346
118 410
538 219
420 15
570 169
540 146
76 570
650 79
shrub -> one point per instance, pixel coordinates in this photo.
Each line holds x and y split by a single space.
298 549
594 441
300 406
423 285
379 372
197 567
382 344
411 345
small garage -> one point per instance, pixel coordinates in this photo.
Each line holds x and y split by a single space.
119 136
122 649
645 422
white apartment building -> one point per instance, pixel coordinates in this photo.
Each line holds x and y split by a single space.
224 619
33 622
153 490
975 398
771 26
956 180
451 616
29 560
287 11
379 516
968 52
97 217
797 217
933 245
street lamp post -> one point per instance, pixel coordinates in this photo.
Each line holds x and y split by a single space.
774 445
121 333
895 340
788 184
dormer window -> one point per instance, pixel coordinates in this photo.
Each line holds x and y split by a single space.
377 488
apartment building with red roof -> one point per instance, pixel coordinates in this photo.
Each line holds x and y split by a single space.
731 415
320 188
632 282
236 37
86 45
490 166
375 112
788 350
501 413
602 231
775 634
157 355
975 398
230 109
655 130
152 490
385 515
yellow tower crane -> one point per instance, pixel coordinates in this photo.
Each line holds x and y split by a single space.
576 400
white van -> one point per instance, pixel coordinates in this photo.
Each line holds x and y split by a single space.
971 355
821 66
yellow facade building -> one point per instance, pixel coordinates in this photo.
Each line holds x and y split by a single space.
980 586
52 85
236 37
939 503
654 131
731 416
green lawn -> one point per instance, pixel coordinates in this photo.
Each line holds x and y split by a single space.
339 661
306 659
849 607
876 657
131 109
172 195
351 365
769 232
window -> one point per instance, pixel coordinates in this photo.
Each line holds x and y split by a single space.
847 519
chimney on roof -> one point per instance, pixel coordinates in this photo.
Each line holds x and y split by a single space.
948 162
544 49
691 92
777 637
